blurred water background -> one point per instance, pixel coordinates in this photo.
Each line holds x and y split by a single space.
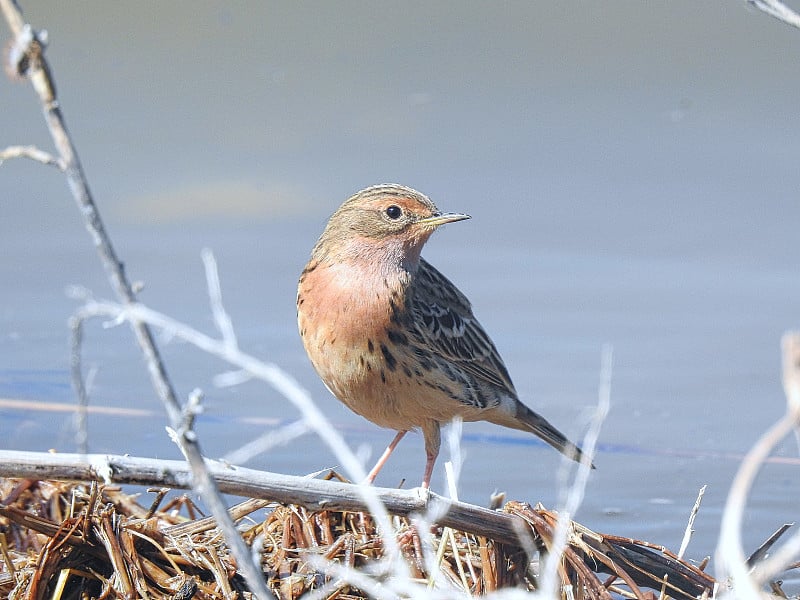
630 169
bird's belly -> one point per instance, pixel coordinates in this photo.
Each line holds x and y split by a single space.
348 341
390 391
345 340
359 379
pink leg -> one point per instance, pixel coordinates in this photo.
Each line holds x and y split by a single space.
426 478
385 456
433 441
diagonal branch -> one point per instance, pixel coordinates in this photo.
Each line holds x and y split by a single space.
33 153
27 54
777 9
731 561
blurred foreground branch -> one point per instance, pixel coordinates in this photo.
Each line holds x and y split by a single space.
732 566
33 153
777 9
26 59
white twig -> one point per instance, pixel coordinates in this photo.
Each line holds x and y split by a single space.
267 441
19 49
79 386
33 153
452 469
358 579
221 316
453 466
790 352
787 553
549 575
192 408
267 372
779 10
231 378
687 535
731 562
274 376
28 60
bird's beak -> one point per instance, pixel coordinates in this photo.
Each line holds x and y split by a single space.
441 219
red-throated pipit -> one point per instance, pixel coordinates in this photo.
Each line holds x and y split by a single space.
392 337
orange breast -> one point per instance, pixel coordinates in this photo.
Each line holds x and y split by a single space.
343 322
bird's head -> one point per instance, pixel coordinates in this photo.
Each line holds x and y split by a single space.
386 222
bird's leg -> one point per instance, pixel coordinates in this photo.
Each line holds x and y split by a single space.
426 478
433 441
384 457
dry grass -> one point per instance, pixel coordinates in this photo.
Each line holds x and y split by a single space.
66 541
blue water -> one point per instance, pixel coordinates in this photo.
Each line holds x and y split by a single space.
629 185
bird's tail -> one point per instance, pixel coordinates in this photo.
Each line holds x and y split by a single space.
527 420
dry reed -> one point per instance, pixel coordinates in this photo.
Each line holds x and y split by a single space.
70 541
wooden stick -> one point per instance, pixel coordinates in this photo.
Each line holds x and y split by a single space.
314 494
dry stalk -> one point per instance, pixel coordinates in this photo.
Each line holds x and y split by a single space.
323 553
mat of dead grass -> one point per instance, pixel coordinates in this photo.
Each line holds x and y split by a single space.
78 541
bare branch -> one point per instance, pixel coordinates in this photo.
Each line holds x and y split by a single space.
29 61
779 10
578 487
786 554
790 344
33 153
221 317
266 441
269 373
731 560
79 384
314 494
687 535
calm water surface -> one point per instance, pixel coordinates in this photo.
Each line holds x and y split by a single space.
628 189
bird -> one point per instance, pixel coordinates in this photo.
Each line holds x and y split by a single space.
394 339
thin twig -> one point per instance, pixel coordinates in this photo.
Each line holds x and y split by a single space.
577 489
269 373
33 153
221 316
29 60
788 552
687 535
79 386
268 440
779 10
731 561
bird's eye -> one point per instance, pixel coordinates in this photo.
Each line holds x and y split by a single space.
394 212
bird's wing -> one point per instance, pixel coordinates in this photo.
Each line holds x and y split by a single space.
444 321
